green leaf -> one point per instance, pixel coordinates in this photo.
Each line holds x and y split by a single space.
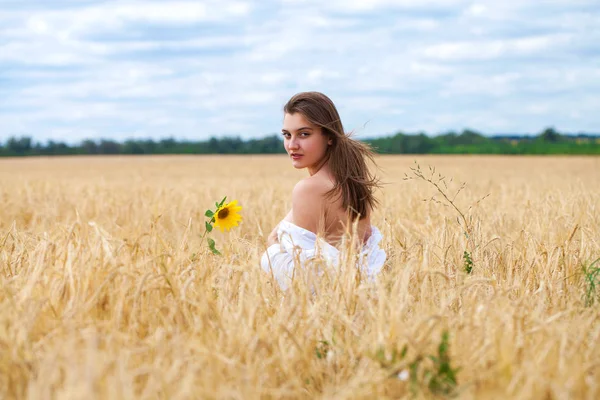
322 349
209 214
222 201
380 354
211 246
404 351
208 226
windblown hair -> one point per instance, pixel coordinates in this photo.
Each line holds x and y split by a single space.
347 157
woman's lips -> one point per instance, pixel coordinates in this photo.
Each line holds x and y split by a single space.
296 156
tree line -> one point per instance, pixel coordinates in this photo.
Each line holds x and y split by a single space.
468 141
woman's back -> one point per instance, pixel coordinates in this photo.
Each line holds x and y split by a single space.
334 218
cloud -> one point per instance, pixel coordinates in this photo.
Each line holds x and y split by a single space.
118 69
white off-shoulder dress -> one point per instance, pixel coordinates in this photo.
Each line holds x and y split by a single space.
298 245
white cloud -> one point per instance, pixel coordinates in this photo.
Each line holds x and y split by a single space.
373 5
492 49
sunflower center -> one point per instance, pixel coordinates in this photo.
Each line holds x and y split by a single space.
223 213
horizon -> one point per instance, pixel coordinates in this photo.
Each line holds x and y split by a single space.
233 136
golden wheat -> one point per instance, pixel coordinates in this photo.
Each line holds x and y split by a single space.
108 292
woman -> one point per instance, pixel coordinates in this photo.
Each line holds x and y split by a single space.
335 200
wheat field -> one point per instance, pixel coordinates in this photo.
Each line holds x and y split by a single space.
108 290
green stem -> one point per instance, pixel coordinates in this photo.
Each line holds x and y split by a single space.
206 230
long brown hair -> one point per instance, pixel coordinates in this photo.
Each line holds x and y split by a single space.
347 157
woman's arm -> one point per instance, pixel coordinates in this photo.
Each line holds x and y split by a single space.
273 238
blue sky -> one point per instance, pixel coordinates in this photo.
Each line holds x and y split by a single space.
71 70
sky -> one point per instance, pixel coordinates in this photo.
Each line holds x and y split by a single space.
75 70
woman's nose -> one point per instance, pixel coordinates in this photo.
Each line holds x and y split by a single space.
293 143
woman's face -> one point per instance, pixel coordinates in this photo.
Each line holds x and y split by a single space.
304 142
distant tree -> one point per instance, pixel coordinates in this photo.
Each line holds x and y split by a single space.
550 135
469 136
167 145
19 146
109 147
57 148
149 146
38 148
213 145
269 145
89 147
418 144
132 147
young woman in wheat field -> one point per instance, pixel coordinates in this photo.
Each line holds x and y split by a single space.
332 207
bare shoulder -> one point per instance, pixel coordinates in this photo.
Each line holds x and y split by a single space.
313 186
308 202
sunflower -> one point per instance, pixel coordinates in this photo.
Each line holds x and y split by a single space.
226 216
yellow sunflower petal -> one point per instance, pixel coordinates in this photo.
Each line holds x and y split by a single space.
227 217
